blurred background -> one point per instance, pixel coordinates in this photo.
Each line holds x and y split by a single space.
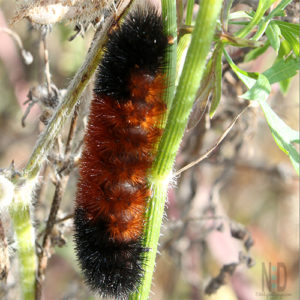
232 218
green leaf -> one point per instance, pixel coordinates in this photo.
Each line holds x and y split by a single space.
282 69
248 78
244 23
264 21
263 6
260 90
283 135
291 33
278 10
273 34
239 15
253 54
292 40
217 80
290 27
284 85
284 50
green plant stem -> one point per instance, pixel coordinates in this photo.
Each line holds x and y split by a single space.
181 54
25 238
161 173
170 29
188 84
262 7
225 13
189 12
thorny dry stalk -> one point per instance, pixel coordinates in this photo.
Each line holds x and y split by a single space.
67 217
46 245
60 185
71 132
76 86
63 111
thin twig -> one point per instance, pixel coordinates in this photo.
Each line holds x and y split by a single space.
71 131
46 245
27 111
60 187
26 54
219 141
67 217
57 221
47 67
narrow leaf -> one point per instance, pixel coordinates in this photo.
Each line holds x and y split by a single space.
284 85
290 27
260 90
292 40
253 54
283 135
217 83
247 78
239 15
282 70
273 34
278 10
284 50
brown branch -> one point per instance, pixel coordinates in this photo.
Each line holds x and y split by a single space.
67 217
59 189
46 245
71 132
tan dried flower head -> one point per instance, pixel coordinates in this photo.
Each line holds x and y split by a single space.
46 12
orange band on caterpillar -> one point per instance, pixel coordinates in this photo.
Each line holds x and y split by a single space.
119 149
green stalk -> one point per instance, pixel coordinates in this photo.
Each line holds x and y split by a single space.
170 29
161 173
25 238
189 12
262 7
182 47
186 91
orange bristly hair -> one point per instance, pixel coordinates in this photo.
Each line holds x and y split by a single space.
123 130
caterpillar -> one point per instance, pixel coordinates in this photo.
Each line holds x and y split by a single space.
119 149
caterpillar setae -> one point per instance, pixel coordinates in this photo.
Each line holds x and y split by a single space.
119 149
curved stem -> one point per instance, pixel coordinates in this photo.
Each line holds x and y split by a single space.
170 28
25 238
182 104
